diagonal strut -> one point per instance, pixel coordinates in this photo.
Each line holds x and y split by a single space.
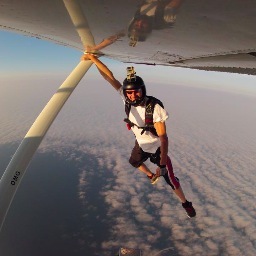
16 169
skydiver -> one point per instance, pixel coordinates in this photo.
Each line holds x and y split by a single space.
152 14
151 141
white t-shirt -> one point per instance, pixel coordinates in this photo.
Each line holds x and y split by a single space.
147 141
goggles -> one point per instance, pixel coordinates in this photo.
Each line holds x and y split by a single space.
133 92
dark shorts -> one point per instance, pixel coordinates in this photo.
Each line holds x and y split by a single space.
138 157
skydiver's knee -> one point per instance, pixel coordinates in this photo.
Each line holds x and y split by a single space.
134 162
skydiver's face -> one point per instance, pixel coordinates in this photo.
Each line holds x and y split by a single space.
134 94
141 25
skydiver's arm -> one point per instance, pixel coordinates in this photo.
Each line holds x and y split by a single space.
174 4
161 132
105 42
104 70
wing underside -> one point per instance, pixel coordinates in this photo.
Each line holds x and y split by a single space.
210 35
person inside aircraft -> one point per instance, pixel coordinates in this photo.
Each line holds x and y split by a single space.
152 14
146 117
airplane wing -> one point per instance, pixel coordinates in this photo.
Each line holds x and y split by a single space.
203 34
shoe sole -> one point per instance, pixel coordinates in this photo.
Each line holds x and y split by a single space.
155 181
191 216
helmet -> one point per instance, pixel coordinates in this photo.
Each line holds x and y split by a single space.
136 83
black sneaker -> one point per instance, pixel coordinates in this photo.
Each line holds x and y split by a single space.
189 209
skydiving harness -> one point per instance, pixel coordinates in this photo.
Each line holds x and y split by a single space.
149 124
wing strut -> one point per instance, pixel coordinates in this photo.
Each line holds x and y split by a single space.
80 22
21 159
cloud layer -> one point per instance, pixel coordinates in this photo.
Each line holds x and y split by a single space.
108 204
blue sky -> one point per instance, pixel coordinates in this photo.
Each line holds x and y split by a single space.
22 55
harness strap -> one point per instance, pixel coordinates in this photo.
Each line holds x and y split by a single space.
149 125
131 124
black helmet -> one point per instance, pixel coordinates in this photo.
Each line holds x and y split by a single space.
135 83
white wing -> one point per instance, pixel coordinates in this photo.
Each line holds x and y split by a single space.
211 35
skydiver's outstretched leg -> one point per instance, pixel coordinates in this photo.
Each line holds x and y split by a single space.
175 184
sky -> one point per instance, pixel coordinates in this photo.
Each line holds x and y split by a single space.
80 196
26 56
